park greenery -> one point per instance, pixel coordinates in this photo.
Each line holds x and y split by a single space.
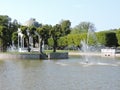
57 37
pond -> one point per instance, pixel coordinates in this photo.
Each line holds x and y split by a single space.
101 73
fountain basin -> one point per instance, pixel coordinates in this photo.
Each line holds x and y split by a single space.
58 55
21 56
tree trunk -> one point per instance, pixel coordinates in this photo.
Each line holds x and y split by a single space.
4 45
41 45
55 45
28 45
3 48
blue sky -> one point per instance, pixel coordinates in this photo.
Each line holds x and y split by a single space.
105 14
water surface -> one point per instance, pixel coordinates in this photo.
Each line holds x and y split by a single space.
68 74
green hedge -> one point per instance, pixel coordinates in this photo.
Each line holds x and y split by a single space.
109 39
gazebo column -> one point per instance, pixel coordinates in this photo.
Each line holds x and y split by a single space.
18 42
23 42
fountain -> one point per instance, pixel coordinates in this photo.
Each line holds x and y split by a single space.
85 49
85 44
72 74
90 51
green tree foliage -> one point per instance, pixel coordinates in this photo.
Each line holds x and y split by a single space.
75 39
56 33
6 29
118 36
32 30
5 20
50 42
107 38
62 42
83 27
13 27
101 37
24 30
58 36
44 32
65 25
71 40
4 37
111 39
15 38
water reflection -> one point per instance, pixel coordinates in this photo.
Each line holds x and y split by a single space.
69 74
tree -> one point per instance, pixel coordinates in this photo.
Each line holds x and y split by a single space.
5 39
83 27
26 37
15 38
13 27
101 37
44 32
75 39
32 30
65 25
56 33
111 39
62 42
50 42
118 36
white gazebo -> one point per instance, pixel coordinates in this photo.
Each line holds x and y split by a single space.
21 47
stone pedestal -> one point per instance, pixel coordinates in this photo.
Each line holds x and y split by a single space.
58 55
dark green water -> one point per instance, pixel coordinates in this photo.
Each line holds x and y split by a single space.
68 74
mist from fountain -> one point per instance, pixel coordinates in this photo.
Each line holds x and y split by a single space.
86 48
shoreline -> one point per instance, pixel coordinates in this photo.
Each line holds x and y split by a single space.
82 53
94 54
38 56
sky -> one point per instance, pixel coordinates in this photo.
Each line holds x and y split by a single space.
104 14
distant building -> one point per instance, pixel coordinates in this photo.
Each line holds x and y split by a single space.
32 22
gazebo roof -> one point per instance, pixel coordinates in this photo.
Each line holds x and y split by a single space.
32 22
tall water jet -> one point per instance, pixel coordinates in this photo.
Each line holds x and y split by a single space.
85 49
87 46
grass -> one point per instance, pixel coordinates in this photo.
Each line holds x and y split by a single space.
46 51
19 52
50 51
